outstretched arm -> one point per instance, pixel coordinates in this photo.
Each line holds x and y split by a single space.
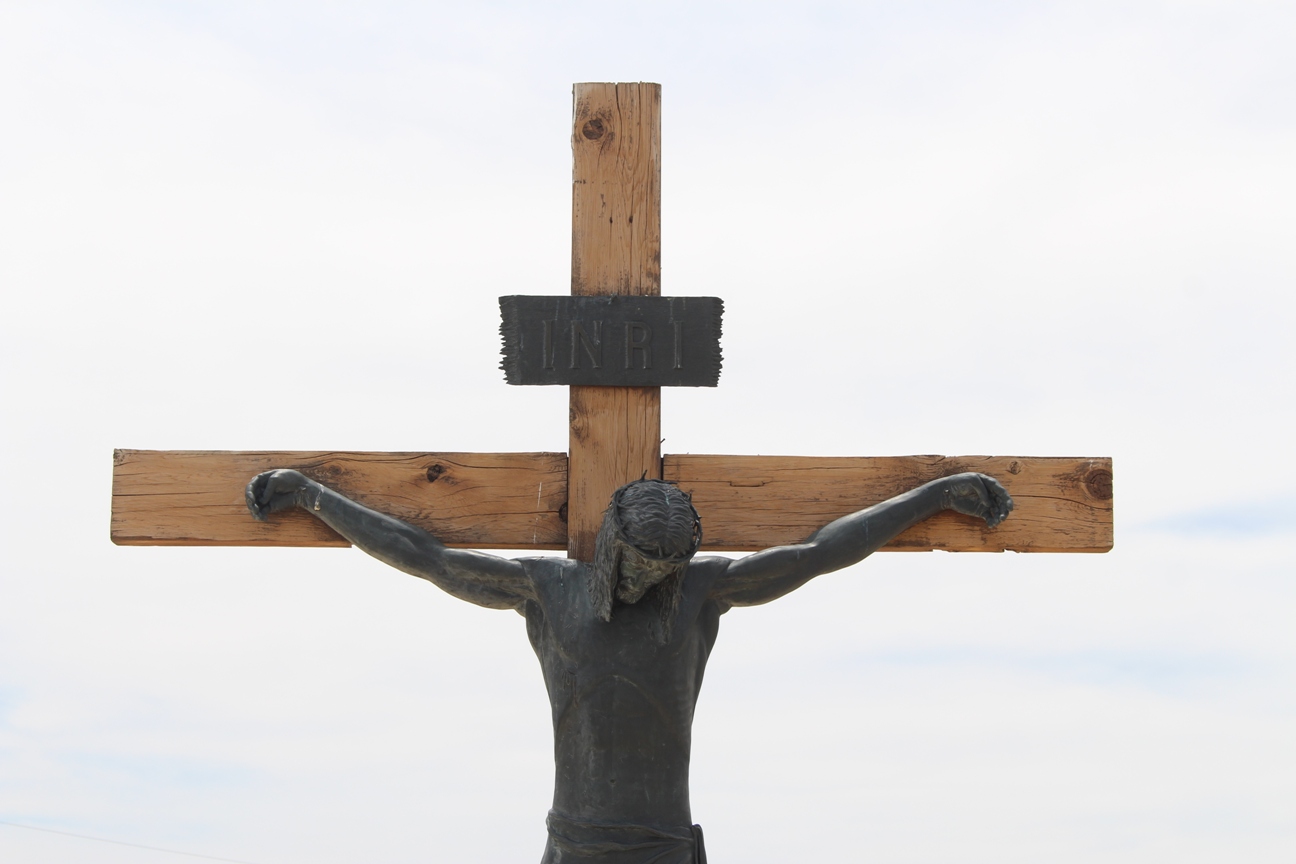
487 580
770 574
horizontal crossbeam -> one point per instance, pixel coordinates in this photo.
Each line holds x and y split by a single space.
469 500
518 500
1062 504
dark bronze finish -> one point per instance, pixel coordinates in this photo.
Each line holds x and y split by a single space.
613 341
623 652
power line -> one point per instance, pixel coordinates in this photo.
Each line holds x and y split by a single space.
122 843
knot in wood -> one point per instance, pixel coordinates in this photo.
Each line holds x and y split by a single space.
1098 483
593 129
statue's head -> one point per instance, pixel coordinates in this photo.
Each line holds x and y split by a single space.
650 532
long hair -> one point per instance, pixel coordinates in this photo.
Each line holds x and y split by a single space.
657 522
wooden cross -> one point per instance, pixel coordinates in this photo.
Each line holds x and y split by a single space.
556 500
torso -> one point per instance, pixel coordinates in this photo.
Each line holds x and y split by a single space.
622 701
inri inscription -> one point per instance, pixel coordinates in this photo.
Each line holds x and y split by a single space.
613 341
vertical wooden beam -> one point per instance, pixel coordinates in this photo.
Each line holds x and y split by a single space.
616 249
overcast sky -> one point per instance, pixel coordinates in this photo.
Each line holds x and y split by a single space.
1019 228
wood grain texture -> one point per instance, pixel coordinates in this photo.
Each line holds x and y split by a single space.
753 502
475 500
615 438
616 249
616 189
516 500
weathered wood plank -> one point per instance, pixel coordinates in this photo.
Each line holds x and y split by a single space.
753 502
516 500
477 500
615 434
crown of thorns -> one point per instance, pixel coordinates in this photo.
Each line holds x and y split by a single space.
655 518
657 523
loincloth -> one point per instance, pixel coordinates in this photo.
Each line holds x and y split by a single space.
573 840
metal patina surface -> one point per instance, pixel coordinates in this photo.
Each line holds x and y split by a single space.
611 341
623 640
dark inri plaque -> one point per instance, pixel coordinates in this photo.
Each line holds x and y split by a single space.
613 341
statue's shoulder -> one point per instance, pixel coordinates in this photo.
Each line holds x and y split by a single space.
552 571
703 572
709 565
558 582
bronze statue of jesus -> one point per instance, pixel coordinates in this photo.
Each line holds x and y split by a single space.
623 641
